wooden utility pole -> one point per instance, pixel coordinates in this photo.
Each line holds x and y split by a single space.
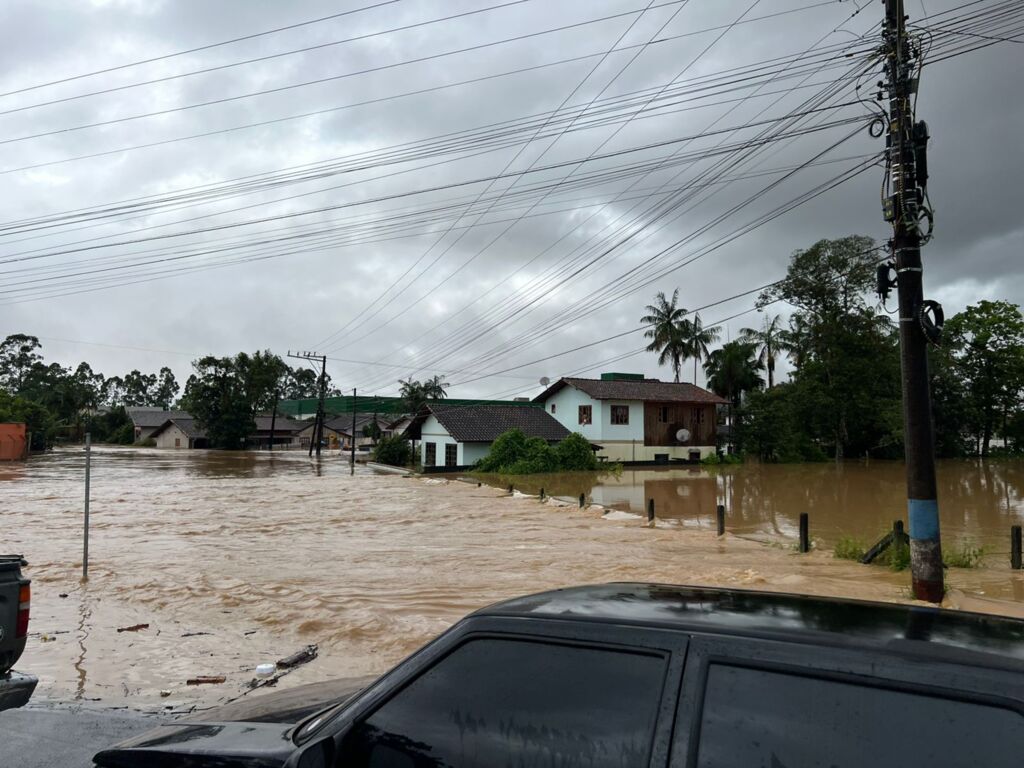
906 143
318 423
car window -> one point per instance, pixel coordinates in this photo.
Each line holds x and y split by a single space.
493 703
754 717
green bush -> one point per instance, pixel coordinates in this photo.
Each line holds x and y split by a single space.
148 442
711 460
966 556
124 435
849 548
574 454
513 453
395 451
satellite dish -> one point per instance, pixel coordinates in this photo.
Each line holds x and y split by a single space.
683 435
544 381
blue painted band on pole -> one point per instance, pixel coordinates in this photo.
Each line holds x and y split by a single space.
924 518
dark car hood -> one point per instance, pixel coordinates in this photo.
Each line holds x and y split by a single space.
207 745
253 732
287 706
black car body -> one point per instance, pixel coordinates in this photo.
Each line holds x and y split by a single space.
15 688
651 675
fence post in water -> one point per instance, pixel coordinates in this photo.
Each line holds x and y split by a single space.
85 538
805 542
650 511
1015 547
511 489
583 500
721 519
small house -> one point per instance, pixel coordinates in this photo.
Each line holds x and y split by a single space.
636 419
147 420
338 430
285 432
457 436
180 432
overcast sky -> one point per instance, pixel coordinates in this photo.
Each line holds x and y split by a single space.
450 275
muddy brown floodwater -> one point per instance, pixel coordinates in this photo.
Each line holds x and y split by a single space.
238 559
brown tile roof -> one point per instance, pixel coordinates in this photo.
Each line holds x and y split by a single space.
188 425
651 390
484 423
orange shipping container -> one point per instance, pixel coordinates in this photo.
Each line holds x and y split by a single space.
13 442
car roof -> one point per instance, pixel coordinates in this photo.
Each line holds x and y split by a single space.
747 612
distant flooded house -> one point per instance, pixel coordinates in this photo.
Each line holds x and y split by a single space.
285 432
180 432
457 436
633 418
338 430
147 420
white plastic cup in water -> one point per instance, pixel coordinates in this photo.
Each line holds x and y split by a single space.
265 670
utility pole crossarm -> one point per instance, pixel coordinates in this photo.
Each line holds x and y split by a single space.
906 143
318 423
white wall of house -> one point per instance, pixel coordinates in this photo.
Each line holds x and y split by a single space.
619 442
567 402
471 453
433 432
172 437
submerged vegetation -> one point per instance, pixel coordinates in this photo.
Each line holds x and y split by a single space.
513 453
966 555
849 548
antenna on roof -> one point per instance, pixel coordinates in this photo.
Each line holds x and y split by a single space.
544 381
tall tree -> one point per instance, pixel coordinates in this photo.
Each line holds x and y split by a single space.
733 370
166 388
697 339
17 356
986 343
845 391
216 395
768 341
667 331
417 393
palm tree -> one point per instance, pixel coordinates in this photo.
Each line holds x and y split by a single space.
668 325
733 370
434 388
768 341
417 393
696 340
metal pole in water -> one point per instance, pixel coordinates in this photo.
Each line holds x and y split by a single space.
805 541
583 500
85 539
1015 547
650 511
721 519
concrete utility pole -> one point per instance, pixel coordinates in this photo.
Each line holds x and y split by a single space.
352 442
318 422
904 207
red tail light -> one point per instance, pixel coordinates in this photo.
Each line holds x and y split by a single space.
24 599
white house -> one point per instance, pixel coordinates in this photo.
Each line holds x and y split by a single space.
458 436
180 433
636 419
